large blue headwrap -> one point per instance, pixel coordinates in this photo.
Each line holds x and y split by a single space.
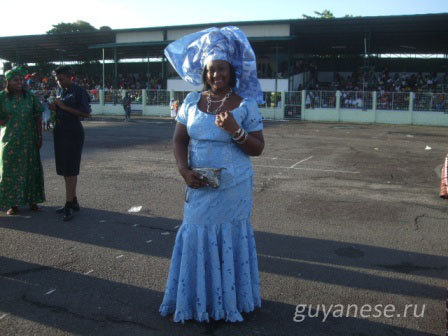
191 53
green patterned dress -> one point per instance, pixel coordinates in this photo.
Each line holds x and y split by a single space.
21 174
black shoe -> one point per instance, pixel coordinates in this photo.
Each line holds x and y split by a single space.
75 205
60 210
68 214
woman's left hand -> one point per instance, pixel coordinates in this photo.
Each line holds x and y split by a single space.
227 122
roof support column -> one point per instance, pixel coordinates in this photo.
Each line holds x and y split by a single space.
104 76
289 68
164 84
115 75
164 72
147 79
276 75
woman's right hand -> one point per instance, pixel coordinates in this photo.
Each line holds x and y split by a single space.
193 179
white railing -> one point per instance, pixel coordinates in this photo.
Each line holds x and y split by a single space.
320 99
356 100
157 97
293 105
345 106
427 101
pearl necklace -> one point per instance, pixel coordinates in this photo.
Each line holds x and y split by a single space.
210 101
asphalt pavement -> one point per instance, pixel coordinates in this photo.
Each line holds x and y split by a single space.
352 238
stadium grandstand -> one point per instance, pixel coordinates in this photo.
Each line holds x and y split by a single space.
362 69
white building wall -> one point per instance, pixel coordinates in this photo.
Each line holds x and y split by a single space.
176 34
142 36
269 84
266 30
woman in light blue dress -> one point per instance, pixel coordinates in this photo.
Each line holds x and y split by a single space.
214 269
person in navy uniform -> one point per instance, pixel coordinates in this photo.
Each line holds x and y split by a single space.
72 104
127 106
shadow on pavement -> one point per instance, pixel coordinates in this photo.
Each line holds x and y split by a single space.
303 258
87 305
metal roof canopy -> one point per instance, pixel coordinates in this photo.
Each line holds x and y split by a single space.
407 34
53 47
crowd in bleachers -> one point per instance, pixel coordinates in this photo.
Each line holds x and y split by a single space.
386 81
428 90
355 87
129 81
358 80
45 85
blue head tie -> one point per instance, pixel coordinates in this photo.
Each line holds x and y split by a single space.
191 53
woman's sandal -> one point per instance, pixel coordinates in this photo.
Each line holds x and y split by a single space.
13 211
35 207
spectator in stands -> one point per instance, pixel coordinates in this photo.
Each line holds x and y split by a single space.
138 98
384 101
73 103
309 99
21 173
268 100
174 105
439 101
358 103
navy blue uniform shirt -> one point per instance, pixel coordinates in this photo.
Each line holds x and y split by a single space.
75 97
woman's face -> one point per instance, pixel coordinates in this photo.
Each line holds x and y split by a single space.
16 83
218 75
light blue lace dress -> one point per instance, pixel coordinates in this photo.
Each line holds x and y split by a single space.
214 269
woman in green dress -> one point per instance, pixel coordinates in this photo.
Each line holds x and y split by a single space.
21 174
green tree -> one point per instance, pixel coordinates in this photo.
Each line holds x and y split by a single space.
325 14
75 27
103 28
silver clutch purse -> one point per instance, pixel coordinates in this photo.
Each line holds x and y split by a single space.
211 176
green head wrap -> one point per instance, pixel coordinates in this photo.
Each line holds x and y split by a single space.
14 72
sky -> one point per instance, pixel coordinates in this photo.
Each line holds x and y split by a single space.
37 17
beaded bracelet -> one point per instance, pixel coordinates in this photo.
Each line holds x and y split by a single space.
240 133
246 135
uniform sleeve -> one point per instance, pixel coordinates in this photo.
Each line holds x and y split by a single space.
84 101
253 121
191 98
37 107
